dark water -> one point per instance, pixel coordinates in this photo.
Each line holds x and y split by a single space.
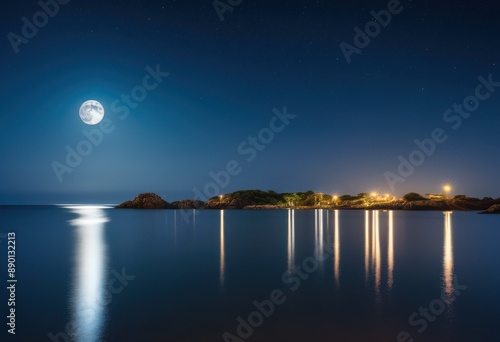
98 274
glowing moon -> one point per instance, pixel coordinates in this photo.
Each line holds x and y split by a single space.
91 112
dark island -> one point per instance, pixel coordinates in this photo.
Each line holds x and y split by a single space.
257 199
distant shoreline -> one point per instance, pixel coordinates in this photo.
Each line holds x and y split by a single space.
270 200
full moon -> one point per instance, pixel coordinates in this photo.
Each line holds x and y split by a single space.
91 112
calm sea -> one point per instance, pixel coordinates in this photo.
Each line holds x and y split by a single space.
93 273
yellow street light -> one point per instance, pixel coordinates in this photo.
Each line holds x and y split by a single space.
335 199
447 190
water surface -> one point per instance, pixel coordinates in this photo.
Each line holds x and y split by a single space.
93 273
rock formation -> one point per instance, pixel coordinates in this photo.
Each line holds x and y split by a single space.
494 209
145 201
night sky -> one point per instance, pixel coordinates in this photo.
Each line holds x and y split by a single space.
347 126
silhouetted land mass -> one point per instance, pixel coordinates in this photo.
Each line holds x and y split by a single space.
146 201
494 209
257 199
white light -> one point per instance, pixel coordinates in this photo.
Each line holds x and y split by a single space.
91 112
89 275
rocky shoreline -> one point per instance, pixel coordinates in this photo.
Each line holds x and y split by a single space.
259 200
494 209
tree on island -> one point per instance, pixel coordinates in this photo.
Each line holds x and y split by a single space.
292 199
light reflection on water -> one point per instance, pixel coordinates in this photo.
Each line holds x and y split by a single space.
336 249
222 265
373 239
390 251
319 233
87 300
377 254
291 239
372 246
373 250
448 257
367 245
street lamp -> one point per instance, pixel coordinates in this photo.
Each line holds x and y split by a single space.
447 190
